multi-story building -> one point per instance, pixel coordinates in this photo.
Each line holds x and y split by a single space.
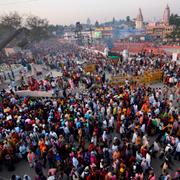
161 29
104 32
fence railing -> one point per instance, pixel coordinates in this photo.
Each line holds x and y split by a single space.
149 77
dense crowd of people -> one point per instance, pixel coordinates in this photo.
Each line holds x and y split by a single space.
101 132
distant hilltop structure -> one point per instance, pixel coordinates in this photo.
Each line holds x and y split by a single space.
139 20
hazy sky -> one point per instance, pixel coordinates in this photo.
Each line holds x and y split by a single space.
70 11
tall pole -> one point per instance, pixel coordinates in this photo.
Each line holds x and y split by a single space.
91 35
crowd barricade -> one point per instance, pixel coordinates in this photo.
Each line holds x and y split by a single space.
153 77
90 68
118 80
149 77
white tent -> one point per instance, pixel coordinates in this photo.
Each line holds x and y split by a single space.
54 74
29 93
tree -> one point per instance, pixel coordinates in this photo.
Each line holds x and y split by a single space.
56 28
12 20
79 27
127 18
33 22
96 24
9 23
174 20
114 20
88 21
38 27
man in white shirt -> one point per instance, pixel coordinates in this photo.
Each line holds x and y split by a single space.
134 137
148 159
122 131
53 134
156 146
104 136
167 148
94 139
66 130
23 150
26 177
177 153
75 162
111 123
143 128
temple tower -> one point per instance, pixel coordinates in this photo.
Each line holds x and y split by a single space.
166 15
139 20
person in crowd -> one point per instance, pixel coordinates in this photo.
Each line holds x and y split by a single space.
72 134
